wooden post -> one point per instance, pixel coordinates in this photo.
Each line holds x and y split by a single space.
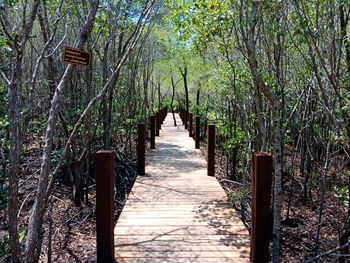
261 228
211 150
190 128
157 123
141 130
183 116
186 119
162 115
153 132
105 170
197 130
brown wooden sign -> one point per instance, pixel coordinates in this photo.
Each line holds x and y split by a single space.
76 57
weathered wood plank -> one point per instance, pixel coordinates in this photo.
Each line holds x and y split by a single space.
120 231
182 260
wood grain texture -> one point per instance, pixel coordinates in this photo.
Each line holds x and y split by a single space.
176 213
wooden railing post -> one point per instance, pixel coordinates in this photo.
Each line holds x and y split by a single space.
141 130
190 128
105 170
162 115
197 130
153 132
157 123
211 150
186 119
261 227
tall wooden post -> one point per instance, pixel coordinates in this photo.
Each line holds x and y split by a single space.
157 123
190 127
197 131
141 130
261 229
153 132
211 150
105 170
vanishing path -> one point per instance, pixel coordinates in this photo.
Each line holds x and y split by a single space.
176 213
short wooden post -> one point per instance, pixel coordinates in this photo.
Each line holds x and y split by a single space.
105 170
197 130
261 212
141 130
211 150
190 127
153 132
186 119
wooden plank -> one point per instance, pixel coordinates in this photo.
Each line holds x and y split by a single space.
182 254
179 248
120 231
182 260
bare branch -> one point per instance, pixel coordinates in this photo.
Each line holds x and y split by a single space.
327 253
3 75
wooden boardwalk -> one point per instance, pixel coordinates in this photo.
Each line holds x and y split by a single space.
176 213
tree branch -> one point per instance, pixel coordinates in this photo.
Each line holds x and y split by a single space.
327 253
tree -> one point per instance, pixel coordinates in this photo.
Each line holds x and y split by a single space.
17 41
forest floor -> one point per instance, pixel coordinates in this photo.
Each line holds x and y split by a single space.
300 228
72 229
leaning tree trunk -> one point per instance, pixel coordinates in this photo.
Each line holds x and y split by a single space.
33 242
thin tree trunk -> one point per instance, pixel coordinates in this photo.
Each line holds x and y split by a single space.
172 99
15 156
187 103
277 140
14 104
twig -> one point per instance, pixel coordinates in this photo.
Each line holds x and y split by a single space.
3 75
21 207
230 181
327 253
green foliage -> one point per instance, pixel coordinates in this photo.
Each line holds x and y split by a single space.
314 181
36 127
342 193
5 246
5 243
56 154
11 3
3 191
235 141
237 195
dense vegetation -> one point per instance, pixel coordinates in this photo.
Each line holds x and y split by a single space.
272 75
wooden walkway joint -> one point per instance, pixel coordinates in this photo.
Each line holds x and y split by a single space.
176 213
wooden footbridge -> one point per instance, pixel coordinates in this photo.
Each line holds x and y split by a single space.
175 211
